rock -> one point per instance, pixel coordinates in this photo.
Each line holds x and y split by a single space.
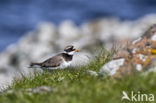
151 65
123 53
111 67
92 73
40 90
126 69
68 31
46 33
137 55
81 59
5 81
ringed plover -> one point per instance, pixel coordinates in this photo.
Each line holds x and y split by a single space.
62 60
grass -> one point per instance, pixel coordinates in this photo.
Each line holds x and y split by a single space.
76 86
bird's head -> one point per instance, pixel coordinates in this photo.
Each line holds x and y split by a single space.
70 50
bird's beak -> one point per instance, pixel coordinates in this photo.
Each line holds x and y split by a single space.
75 50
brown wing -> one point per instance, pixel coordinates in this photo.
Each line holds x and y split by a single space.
53 62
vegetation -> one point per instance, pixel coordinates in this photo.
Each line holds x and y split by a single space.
76 86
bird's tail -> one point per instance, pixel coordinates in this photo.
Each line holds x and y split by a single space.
35 65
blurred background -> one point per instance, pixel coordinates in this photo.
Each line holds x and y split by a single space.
17 17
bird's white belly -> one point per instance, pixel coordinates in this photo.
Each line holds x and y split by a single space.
65 64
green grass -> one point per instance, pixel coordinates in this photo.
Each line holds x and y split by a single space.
76 86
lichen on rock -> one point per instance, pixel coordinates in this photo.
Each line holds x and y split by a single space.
140 55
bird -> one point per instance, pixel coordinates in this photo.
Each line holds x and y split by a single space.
60 61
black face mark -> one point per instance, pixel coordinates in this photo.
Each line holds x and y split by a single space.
69 48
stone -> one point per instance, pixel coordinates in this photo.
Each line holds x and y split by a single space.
111 67
126 69
138 56
92 73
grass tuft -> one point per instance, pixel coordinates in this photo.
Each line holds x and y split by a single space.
76 86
